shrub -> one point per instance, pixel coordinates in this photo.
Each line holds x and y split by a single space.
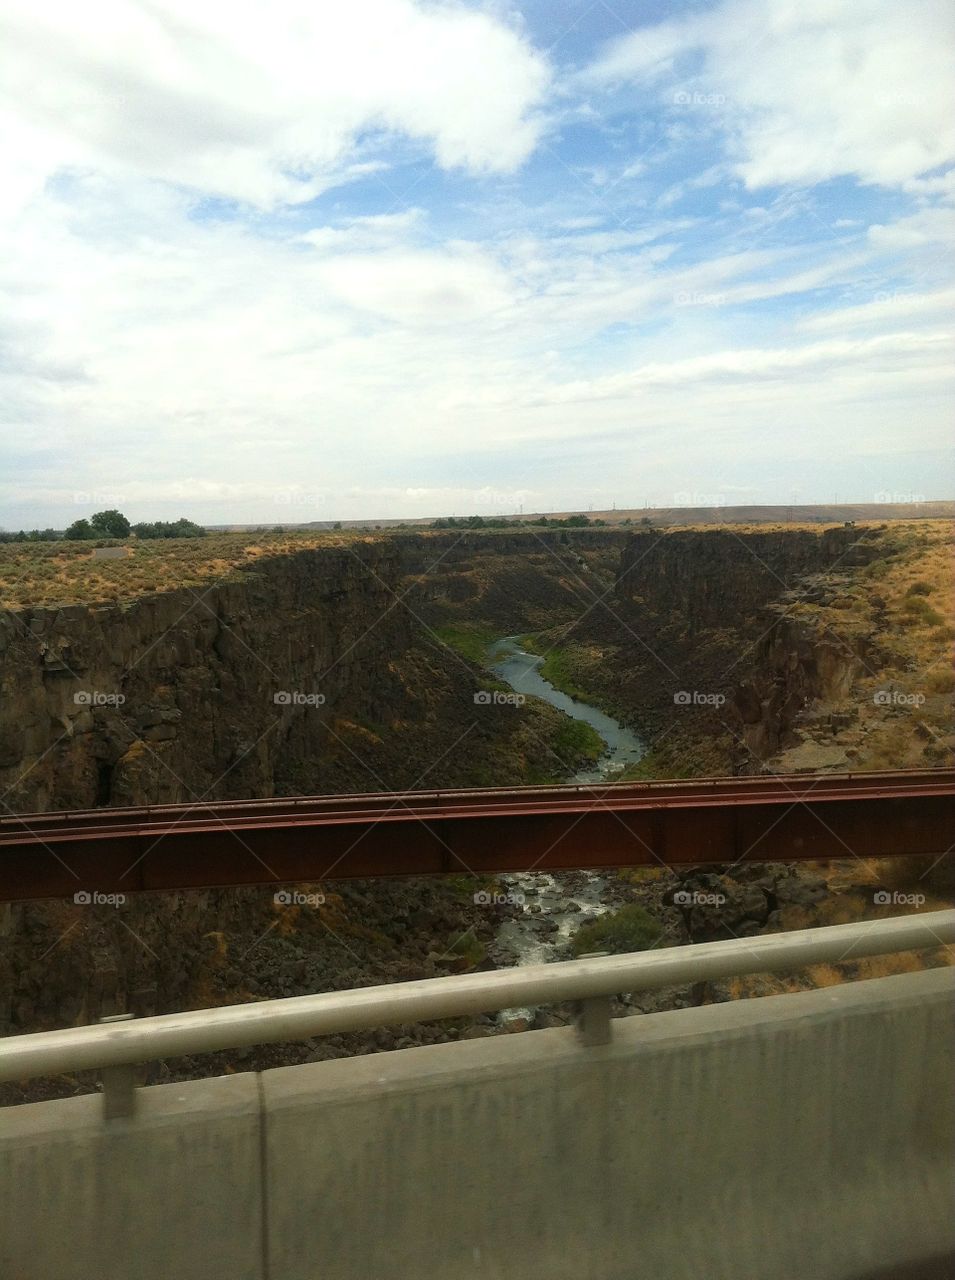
919 610
630 929
467 949
877 569
80 530
941 681
470 639
920 588
558 669
577 742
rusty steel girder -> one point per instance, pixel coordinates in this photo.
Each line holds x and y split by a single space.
245 842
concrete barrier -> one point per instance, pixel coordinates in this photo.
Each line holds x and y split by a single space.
790 1136
175 1192
799 1135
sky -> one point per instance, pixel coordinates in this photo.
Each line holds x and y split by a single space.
309 261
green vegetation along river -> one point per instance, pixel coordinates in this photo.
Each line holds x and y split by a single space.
521 670
554 906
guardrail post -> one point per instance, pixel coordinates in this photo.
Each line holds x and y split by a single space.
119 1083
592 1015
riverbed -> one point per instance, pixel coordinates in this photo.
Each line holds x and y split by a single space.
554 906
521 670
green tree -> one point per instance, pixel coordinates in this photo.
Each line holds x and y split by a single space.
110 524
181 528
184 528
80 531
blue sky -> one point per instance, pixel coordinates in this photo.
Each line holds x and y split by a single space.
392 258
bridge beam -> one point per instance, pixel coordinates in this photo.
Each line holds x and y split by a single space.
780 819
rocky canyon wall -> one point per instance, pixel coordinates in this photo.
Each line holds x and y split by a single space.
275 679
515 582
196 692
797 664
692 618
308 672
698 579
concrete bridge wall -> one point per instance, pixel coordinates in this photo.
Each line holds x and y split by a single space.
796 1135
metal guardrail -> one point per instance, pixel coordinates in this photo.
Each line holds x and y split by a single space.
120 1043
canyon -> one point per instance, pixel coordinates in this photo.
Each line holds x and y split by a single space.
366 664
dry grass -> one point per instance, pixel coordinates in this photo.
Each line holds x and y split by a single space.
60 573
917 596
781 527
899 612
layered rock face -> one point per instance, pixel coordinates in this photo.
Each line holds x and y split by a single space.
721 578
254 685
516 582
688 624
308 673
797 663
250 686
196 693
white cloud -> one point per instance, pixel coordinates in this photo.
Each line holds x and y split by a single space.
426 288
887 309
169 348
927 228
579 224
708 178
260 103
429 358
372 231
752 365
807 90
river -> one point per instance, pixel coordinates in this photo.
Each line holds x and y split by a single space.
554 906
521 670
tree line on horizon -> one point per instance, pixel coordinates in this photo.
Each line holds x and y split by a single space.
113 524
509 522
109 524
